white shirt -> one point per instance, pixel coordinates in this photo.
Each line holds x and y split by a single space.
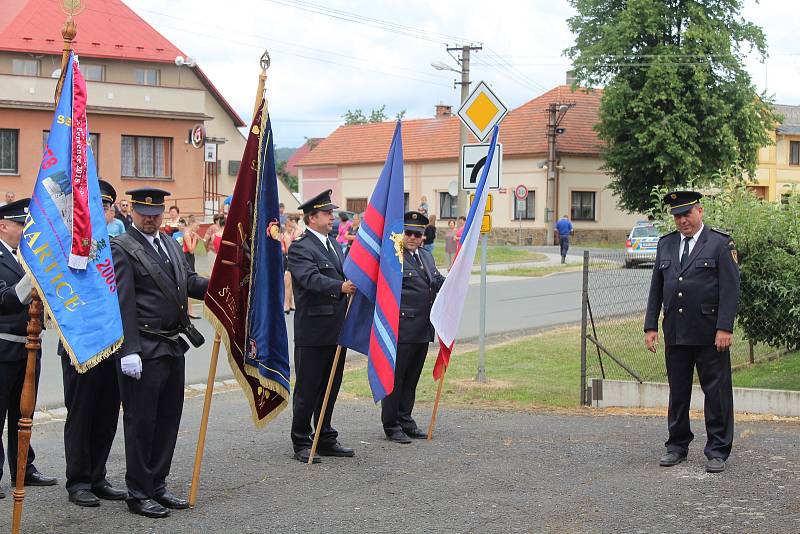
151 240
322 237
9 248
692 243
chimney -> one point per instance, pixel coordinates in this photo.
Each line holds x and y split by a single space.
443 110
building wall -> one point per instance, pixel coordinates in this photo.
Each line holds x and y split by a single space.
430 178
187 162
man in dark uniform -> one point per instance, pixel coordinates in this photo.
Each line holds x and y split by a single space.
316 265
92 401
696 279
15 290
421 282
153 282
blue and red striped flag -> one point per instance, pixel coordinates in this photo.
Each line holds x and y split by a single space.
375 266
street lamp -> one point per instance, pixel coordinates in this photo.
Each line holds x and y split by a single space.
441 65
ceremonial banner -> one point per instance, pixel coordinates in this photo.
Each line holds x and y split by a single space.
244 301
449 303
65 245
375 265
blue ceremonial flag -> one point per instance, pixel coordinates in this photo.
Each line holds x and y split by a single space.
375 265
65 245
244 300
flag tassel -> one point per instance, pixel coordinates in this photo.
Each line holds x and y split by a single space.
201 438
327 391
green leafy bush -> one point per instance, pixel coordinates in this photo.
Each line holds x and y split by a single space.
767 237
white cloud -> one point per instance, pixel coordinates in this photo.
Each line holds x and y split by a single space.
322 66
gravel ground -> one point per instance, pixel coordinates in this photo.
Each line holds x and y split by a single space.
485 471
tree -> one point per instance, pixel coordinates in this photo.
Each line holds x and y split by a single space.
678 103
376 115
289 179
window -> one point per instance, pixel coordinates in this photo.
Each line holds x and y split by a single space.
146 157
94 73
26 67
8 151
147 76
94 142
524 209
583 205
448 205
357 205
794 152
405 202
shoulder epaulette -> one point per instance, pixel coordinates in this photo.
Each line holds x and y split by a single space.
721 232
302 236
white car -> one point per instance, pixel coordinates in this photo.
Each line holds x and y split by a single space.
640 247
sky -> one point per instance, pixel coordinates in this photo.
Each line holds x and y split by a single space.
325 64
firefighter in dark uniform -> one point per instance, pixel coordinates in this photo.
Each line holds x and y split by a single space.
153 281
92 401
696 281
421 282
320 289
15 290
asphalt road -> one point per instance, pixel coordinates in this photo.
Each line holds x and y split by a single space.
484 472
514 304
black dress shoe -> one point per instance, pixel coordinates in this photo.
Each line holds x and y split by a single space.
110 493
169 500
303 455
715 465
35 478
147 508
84 498
336 450
415 433
398 436
670 459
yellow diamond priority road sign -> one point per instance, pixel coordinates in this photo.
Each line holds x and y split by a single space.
481 111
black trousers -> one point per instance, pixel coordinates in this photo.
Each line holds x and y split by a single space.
312 368
714 371
12 376
92 401
564 241
396 408
152 408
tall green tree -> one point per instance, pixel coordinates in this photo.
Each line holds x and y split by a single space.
678 104
376 115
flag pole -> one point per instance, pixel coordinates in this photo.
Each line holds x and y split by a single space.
34 344
432 424
327 392
212 366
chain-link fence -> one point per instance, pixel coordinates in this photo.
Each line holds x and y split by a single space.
615 291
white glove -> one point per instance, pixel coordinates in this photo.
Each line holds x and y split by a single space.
23 289
132 365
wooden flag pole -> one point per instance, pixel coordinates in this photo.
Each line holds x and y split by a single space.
432 425
26 406
327 393
212 366
28 396
201 439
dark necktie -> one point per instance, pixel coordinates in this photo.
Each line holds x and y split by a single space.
161 253
685 255
418 260
331 253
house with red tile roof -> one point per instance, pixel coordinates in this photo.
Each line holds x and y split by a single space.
350 160
144 97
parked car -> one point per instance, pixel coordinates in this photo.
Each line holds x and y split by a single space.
640 247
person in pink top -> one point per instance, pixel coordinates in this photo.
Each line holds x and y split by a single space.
344 227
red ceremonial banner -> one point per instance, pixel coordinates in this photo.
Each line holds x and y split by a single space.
81 221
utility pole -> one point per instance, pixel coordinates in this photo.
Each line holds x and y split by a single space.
555 113
465 51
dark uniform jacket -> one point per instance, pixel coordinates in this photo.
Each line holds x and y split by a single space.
317 284
142 304
13 314
699 299
419 291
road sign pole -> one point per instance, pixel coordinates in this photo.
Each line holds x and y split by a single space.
481 377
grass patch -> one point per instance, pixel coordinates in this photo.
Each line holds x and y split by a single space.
494 254
540 371
533 271
598 244
780 373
